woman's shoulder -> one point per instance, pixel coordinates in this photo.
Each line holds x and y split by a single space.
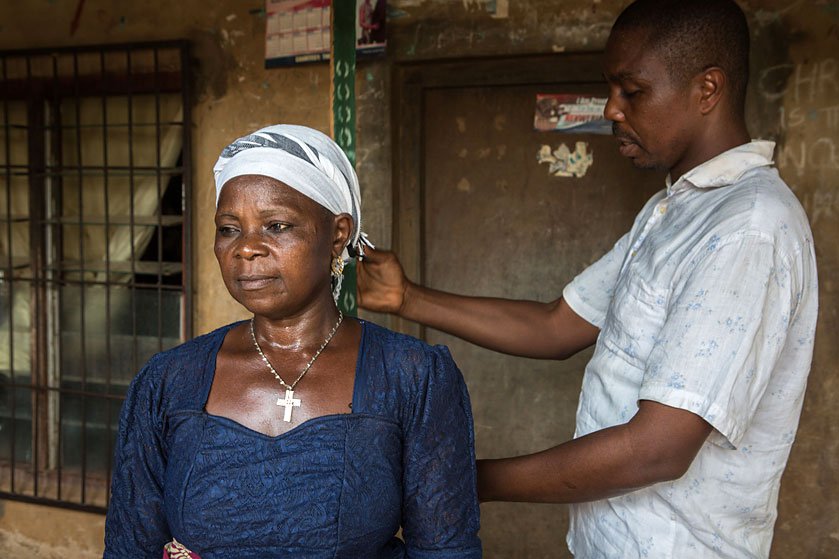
182 368
401 376
404 366
395 345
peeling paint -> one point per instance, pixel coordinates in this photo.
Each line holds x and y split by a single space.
499 122
565 163
395 13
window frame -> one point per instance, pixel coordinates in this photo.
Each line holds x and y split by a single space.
45 481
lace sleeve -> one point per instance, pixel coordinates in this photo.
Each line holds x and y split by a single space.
136 523
440 504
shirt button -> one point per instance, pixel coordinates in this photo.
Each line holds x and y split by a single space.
662 210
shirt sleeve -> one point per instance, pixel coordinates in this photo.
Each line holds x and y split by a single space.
590 293
136 524
725 328
440 516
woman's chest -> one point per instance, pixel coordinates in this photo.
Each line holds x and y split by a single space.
252 392
315 488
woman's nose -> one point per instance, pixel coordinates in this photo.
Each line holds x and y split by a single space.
251 245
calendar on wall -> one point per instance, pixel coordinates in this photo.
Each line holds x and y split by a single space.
298 31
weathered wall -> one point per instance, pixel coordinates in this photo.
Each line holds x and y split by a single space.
793 99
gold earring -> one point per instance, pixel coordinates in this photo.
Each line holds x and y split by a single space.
337 266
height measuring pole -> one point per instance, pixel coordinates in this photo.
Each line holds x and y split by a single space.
342 121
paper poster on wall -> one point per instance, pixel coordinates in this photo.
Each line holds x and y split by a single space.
582 114
370 27
298 31
566 163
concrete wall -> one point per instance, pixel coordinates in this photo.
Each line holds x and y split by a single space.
794 99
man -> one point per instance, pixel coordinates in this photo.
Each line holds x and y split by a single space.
703 314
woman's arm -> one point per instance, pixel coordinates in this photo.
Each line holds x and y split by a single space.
440 516
136 524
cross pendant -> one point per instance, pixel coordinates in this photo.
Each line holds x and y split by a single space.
289 402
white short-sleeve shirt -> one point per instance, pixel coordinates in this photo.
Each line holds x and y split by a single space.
708 304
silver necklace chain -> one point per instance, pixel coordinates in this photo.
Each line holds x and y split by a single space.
308 365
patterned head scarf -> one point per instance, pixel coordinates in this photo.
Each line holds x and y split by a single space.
307 161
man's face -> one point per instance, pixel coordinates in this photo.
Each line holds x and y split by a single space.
654 119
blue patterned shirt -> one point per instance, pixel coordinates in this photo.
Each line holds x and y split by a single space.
334 486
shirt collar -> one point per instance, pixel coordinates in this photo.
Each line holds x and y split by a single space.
725 168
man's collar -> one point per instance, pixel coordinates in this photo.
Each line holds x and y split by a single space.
725 168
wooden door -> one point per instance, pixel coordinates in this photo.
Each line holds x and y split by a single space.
481 216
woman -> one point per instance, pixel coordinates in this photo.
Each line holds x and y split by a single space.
300 432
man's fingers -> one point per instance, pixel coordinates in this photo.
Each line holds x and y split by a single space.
375 256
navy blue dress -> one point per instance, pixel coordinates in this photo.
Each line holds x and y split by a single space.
335 486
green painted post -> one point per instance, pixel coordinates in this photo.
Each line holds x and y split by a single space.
342 62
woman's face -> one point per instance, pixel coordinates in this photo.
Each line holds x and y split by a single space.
274 246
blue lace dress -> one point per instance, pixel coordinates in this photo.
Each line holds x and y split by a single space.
335 486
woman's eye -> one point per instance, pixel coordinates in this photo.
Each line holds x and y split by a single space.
277 227
226 230
629 94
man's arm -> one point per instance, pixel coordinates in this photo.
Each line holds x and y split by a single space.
526 328
658 444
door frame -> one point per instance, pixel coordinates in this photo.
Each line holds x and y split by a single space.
410 80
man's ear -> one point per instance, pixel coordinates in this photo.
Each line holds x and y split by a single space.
343 227
712 84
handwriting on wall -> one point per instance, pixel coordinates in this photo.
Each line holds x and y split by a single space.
803 155
810 92
808 156
821 204
806 82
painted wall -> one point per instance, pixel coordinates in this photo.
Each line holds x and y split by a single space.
794 99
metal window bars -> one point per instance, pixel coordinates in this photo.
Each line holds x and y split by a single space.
95 247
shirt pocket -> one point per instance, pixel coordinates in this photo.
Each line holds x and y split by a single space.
635 318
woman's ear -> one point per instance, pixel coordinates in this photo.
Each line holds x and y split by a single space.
343 229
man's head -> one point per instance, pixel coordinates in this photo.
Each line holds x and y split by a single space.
677 71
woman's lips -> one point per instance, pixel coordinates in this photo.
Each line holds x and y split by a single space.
250 283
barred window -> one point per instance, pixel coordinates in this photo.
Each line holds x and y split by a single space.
94 253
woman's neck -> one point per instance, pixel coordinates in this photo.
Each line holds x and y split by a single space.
299 332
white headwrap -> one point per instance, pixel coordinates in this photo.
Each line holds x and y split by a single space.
304 159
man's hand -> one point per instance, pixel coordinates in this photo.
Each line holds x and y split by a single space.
381 282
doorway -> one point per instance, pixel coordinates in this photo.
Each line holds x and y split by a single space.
477 213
